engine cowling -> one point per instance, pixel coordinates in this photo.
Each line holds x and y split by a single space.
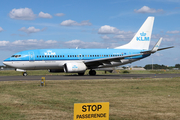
74 67
55 70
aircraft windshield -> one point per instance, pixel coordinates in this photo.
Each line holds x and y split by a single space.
16 56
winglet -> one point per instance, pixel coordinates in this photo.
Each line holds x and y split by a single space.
155 48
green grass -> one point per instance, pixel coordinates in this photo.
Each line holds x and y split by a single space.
140 99
45 72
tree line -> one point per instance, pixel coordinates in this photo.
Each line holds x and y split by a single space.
156 66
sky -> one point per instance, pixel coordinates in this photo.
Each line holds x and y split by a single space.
38 24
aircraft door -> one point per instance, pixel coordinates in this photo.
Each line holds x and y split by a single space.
80 57
31 56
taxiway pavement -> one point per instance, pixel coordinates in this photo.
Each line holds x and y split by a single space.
87 77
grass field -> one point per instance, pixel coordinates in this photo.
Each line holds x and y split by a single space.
45 72
130 99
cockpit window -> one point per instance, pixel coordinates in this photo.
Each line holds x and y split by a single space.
16 56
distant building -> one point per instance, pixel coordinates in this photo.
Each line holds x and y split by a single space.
136 69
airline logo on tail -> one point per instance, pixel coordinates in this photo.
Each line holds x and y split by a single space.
142 37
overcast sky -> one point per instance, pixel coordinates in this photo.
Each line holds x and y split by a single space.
35 24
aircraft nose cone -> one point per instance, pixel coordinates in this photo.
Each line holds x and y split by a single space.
5 63
10 64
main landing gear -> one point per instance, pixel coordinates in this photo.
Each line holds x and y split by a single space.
92 72
81 74
24 73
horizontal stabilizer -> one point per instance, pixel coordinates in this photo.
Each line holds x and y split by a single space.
155 48
165 48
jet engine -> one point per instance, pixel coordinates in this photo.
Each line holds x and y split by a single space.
75 67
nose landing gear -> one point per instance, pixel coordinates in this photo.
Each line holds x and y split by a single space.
24 73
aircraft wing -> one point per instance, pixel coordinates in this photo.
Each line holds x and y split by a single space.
97 62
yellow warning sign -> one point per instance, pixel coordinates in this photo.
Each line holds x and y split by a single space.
91 111
43 81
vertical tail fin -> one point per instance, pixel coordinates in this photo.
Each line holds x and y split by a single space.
142 38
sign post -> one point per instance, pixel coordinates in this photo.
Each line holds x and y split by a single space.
91 111
43 81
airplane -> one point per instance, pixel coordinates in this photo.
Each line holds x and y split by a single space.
79 60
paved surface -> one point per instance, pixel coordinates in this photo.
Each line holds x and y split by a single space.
86 77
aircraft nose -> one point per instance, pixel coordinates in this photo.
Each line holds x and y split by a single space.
5 63
8 63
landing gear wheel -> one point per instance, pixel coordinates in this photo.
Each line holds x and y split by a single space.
92 72
81 74
24 73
